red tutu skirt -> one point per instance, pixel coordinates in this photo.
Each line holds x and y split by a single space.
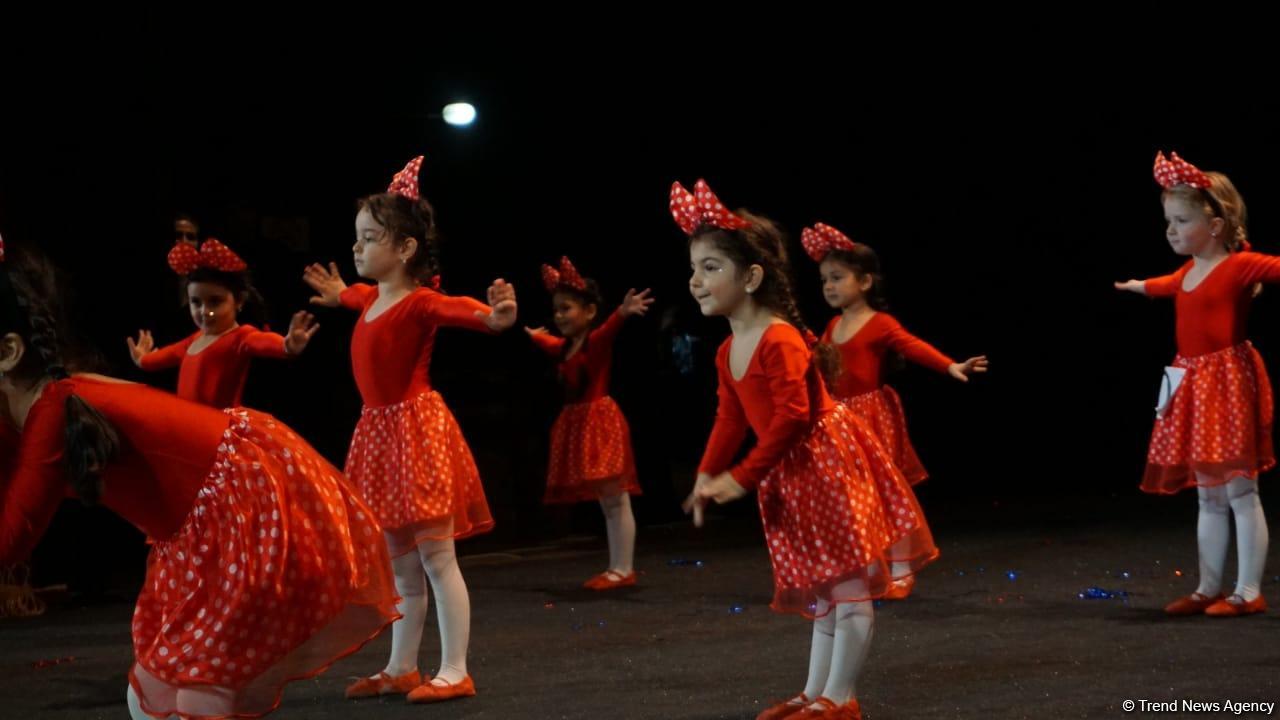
881 410
836 509
1217 426
590 448
411 464
278 571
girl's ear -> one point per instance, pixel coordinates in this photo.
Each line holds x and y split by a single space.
755 276
1216 226
408 249
12 350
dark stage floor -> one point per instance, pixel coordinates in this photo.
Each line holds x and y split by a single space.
971 643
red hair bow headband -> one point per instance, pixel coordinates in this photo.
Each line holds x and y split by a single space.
822 239
1176 171
701 207
406 181
567 275
212 254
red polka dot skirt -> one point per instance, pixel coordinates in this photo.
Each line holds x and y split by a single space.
1218 424
881 410
278 571
590 446
837 509
412 466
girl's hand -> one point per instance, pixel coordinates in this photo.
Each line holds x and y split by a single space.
144 345
536 331
695 504
974 365
722 488
328 283
1133 286
635 303
502 299
301 328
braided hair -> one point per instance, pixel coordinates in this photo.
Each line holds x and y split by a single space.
28 296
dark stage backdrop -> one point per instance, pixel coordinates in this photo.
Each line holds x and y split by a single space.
1002 212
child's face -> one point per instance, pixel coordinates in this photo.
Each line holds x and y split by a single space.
1190 231
572 317
213 307
185 231
842 286
719 286
376 256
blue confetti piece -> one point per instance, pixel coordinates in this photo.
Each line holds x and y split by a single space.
1097 593
736 609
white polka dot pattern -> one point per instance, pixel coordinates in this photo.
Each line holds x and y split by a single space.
701 207
1218 423
405 182
881 410
822 239
412 466
590 444
275 547
1176 171
837 509
184 259
567 275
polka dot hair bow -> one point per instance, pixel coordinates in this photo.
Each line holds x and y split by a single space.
212 254
1176 171
822 239
567 275
692 210
406 181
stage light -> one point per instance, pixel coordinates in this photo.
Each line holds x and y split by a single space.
459 114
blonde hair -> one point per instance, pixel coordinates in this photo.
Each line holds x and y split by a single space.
1219 200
